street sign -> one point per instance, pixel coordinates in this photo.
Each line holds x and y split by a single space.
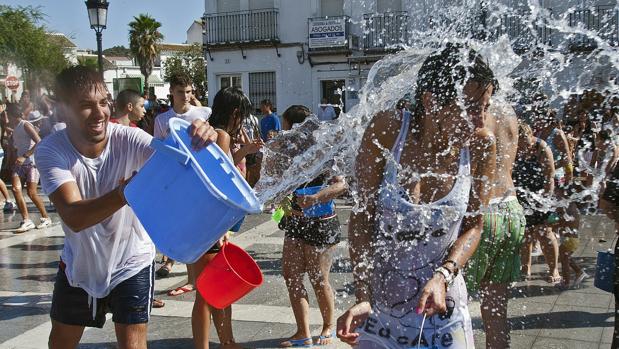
327 33
11 82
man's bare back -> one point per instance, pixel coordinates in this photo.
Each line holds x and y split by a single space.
502 121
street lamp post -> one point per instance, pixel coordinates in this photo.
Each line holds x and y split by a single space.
97 15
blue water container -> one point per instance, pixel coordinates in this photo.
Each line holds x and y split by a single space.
187 200
605 271
320 210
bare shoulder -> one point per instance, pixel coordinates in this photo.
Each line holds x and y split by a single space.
502 117
483 137
384 127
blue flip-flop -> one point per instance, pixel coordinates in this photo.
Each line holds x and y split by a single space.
321 337
297 343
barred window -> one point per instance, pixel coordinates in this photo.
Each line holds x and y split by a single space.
261 87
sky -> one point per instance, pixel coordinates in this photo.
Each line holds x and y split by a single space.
70 17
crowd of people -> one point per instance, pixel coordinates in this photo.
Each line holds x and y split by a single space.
466 190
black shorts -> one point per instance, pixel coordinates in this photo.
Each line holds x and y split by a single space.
537 218
130 301
315 232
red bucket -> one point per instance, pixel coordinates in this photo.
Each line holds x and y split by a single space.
228 277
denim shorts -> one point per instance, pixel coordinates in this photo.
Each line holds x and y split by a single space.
129 302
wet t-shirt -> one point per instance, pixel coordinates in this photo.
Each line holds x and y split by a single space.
99 257
194 113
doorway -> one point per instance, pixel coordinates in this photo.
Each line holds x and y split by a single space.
335 93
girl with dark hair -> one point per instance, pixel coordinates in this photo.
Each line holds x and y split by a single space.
230 108
420 216
309 243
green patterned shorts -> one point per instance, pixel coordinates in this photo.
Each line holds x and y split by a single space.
497 259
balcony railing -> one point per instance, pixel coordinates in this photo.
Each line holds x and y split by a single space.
328 33
253 26
385 31
602 21
523 34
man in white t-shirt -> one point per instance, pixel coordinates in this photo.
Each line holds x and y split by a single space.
181 91
107 259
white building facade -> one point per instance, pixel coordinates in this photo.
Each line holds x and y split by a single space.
296 52
299 52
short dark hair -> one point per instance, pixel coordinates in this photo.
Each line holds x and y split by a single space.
442 71
14 110
125 97
267 103
180 79
296 114
73 81
224 103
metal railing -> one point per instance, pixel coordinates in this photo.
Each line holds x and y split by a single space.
241 27
603 21
385 31
523 34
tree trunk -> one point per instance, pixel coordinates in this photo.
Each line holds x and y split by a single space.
146 84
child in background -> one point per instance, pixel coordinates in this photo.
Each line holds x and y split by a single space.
569 245
230 108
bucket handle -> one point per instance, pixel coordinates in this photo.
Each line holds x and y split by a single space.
175 153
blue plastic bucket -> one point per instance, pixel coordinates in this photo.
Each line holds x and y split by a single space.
605 271
187 200
320 210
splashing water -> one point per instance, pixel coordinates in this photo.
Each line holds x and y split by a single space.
526 45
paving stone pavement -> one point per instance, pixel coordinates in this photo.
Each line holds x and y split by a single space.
540 315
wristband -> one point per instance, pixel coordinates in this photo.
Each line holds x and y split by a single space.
447 274
455 264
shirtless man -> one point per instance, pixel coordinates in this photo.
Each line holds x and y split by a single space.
496 263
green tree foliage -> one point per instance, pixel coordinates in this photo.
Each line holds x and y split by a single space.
118 51
190 62
26 43
144 40
88 62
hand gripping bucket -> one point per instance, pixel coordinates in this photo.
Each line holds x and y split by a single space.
228 277
605 271
187 200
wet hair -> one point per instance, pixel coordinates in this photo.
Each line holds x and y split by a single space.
224 105
267 103
125 97
524 130
74 81
296 114
180 79
14 110
441 72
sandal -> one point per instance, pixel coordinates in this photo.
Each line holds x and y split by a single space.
325 340
164 271
297 343
180 290
554 280
158 303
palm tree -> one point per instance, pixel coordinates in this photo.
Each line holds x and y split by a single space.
144 40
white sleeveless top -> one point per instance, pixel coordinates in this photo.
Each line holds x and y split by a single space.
410 242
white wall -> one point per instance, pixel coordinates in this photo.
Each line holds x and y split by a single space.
194 34
293 83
